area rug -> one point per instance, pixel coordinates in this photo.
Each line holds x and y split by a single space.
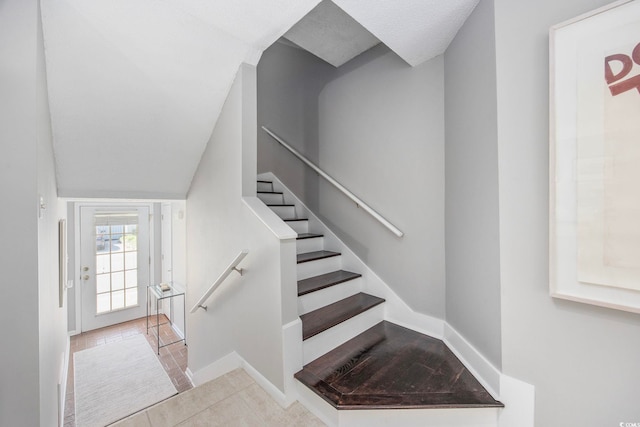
113 381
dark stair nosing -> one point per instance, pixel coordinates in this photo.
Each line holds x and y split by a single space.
392 367
303 236
295 219
316 283
265 182
314 256
318 321
269 192
281 204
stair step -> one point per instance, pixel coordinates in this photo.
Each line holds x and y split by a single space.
283 210
270 197
323 281
331 315
391 367
302 236
264 185
316 255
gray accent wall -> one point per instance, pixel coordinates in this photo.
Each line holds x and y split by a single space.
289 82
471 190
582 359
377 126
382 137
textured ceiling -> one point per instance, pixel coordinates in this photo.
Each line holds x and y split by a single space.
136 86
416 30
331 34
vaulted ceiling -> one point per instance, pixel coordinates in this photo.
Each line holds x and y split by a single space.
136 86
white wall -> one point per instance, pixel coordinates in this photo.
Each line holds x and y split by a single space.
31 362
53 340
245 314
19 388
582 359
382 137
471 165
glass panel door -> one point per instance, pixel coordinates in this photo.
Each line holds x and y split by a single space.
115 264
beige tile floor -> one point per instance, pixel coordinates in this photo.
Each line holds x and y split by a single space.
233 399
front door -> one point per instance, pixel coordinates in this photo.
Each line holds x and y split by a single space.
114 264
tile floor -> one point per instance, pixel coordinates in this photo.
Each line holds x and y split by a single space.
233 399
173 357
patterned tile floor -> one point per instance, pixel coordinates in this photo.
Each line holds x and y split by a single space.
173 357
233 399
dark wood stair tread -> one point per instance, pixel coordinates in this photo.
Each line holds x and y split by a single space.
391 367
303 236
323 281
269 192
313 256
295 219
280 204
265 182
320 320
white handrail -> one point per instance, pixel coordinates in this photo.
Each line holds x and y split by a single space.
220 279
336 184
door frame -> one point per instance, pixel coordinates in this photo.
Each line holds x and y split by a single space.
77 273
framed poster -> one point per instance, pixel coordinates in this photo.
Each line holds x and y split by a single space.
595 157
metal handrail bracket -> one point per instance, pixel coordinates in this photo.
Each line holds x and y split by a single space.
233 266
336 184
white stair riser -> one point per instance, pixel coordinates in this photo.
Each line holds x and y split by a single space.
265 186
318 267
443 417
326 296
299 226
309 245
284 211
271 198
326 341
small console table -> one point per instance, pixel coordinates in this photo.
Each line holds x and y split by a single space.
160 295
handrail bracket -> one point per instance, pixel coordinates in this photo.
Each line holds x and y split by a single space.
238 270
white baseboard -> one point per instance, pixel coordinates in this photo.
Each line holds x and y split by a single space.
216 369
231 362
177 330
271 389
62 382
478 365
519 403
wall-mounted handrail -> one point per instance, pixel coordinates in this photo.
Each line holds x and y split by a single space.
231 267
336 184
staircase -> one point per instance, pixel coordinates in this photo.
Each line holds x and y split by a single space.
355 359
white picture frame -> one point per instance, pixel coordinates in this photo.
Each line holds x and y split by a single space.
62 260
574 46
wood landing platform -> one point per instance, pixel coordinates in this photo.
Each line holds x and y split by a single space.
391 367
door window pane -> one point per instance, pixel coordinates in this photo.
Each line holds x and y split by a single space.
116 261
103 283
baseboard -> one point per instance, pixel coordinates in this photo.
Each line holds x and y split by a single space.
519 403
216 369
478 365
177 330
231 362
266 385
62 382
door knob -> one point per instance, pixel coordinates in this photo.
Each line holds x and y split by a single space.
85 268
85 277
